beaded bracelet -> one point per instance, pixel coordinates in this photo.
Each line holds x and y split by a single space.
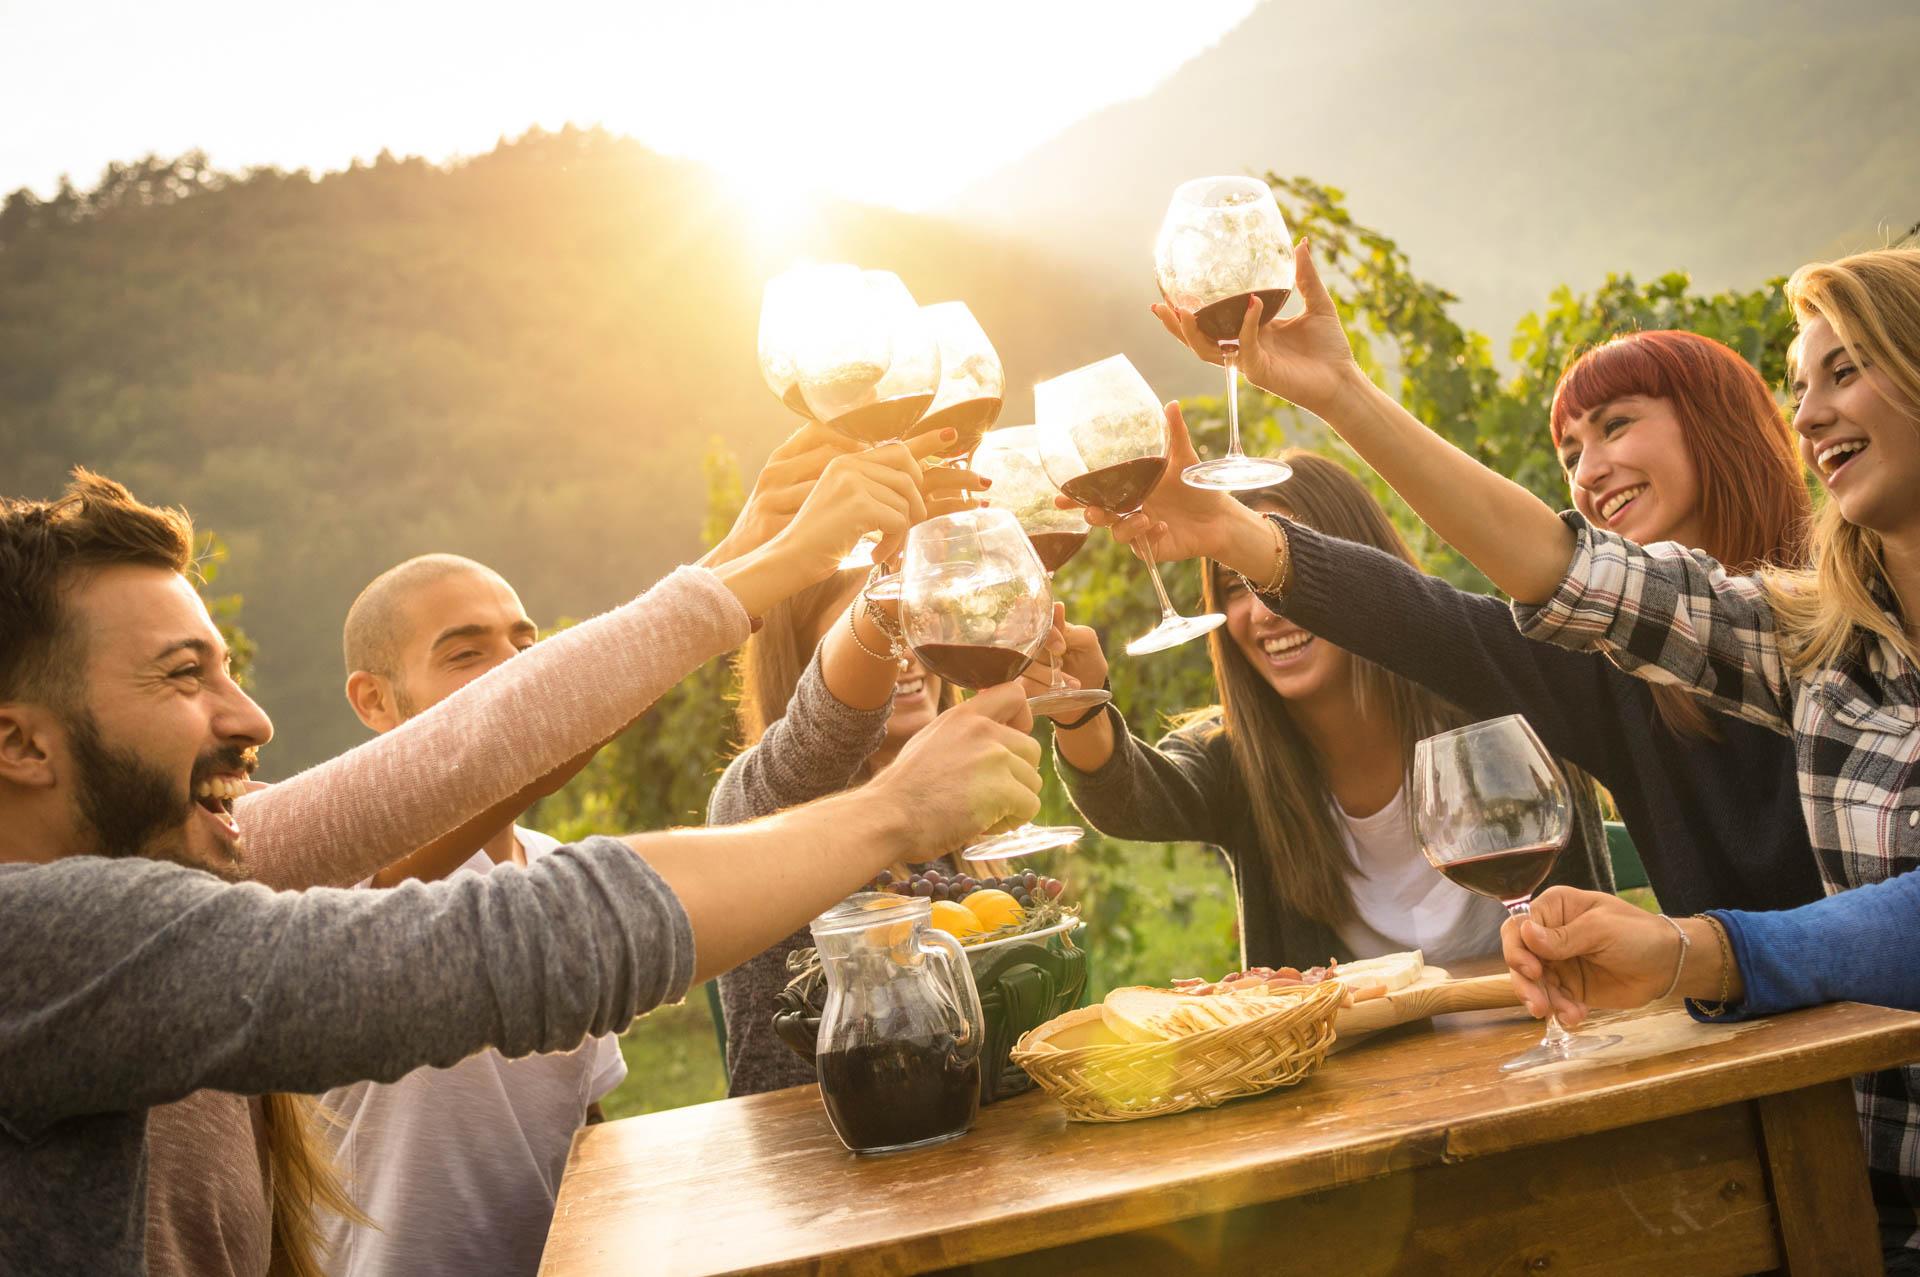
1726 966
1280 553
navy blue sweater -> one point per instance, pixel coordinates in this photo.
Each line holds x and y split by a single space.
1717 823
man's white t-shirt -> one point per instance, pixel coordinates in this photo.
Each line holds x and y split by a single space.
460 1167
1401 902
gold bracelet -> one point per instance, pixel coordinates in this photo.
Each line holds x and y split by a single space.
1277 577
1726 964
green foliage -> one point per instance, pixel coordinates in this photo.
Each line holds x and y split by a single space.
210 555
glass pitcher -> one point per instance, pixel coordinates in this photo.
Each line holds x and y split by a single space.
899 1050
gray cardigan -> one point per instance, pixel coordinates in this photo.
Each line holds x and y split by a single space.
818 747
132 983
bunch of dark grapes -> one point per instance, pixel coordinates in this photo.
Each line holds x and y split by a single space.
1025 886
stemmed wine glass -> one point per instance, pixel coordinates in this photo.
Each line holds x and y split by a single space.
1493 816
975 609
1224 242
1103 441
1011 458
972 382
786 309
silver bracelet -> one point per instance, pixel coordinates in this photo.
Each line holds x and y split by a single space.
1678 967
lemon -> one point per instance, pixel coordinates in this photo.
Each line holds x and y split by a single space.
955 920
994 908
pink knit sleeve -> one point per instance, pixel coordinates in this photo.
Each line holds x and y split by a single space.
349 817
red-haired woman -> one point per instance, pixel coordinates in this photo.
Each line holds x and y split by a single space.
1663 436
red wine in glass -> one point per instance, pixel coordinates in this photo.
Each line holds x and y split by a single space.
1118 489
1511 877
968 420
1492 814
1055 548
973 665
1221 320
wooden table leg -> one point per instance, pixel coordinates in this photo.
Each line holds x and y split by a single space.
1819 1176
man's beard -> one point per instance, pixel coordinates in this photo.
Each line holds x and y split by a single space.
131 808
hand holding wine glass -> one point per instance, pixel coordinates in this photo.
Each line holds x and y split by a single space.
1306 360
1073 654
1576 951
1493 815
1103 441
779 490
975 609
972 382
882 490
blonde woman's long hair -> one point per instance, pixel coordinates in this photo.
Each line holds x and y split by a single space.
306 1183
1276 764
1872 302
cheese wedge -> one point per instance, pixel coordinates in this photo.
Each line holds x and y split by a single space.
1391 971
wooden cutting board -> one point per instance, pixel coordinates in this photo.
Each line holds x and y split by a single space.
1435 993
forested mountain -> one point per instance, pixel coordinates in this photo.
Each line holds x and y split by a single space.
1513 145
521 357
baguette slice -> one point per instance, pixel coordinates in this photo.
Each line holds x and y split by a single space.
1142 1015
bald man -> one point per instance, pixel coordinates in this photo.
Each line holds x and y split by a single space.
458 1167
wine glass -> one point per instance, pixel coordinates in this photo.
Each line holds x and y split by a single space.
1223 243
1493 815
868 362
1011 458
786 311
972 382
1103 441
975 609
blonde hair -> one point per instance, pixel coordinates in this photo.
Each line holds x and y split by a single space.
306 1181
1872 302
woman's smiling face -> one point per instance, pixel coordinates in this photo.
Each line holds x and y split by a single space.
1629 470
1858 433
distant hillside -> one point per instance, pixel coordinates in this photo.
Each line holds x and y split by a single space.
521 357
1512 145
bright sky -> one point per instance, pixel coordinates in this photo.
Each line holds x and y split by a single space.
890 101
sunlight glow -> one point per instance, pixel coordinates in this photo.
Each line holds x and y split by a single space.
900 102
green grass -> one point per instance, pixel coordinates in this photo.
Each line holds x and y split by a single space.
673 1059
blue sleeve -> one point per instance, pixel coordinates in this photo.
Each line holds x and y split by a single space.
1861 945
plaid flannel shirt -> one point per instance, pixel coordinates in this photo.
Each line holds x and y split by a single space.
1672 615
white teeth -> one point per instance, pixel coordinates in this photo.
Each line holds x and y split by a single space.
1619 499
910 688
1275 646
220 787
1831 454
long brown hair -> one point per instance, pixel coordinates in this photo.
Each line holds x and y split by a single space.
1872 302
1276 762
1754 509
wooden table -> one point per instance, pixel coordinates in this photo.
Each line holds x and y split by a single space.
1688 1148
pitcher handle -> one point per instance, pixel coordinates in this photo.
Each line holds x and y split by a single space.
959 977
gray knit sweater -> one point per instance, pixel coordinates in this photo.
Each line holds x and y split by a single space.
132 983
817 748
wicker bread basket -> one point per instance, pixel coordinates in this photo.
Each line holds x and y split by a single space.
1098 1078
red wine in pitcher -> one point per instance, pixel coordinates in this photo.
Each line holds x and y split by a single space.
1507 876
974 665
1221 320
888 1095
1055 548
1117 489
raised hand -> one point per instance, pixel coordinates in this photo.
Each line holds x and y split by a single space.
972 770
1076 649
1306 360
780 489
1576 951
1180 521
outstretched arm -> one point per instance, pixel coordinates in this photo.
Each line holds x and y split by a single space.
1506 531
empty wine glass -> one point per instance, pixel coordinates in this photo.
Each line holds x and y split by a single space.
1493 816
972 382
1103 441
1223 243
1011 458
975 609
